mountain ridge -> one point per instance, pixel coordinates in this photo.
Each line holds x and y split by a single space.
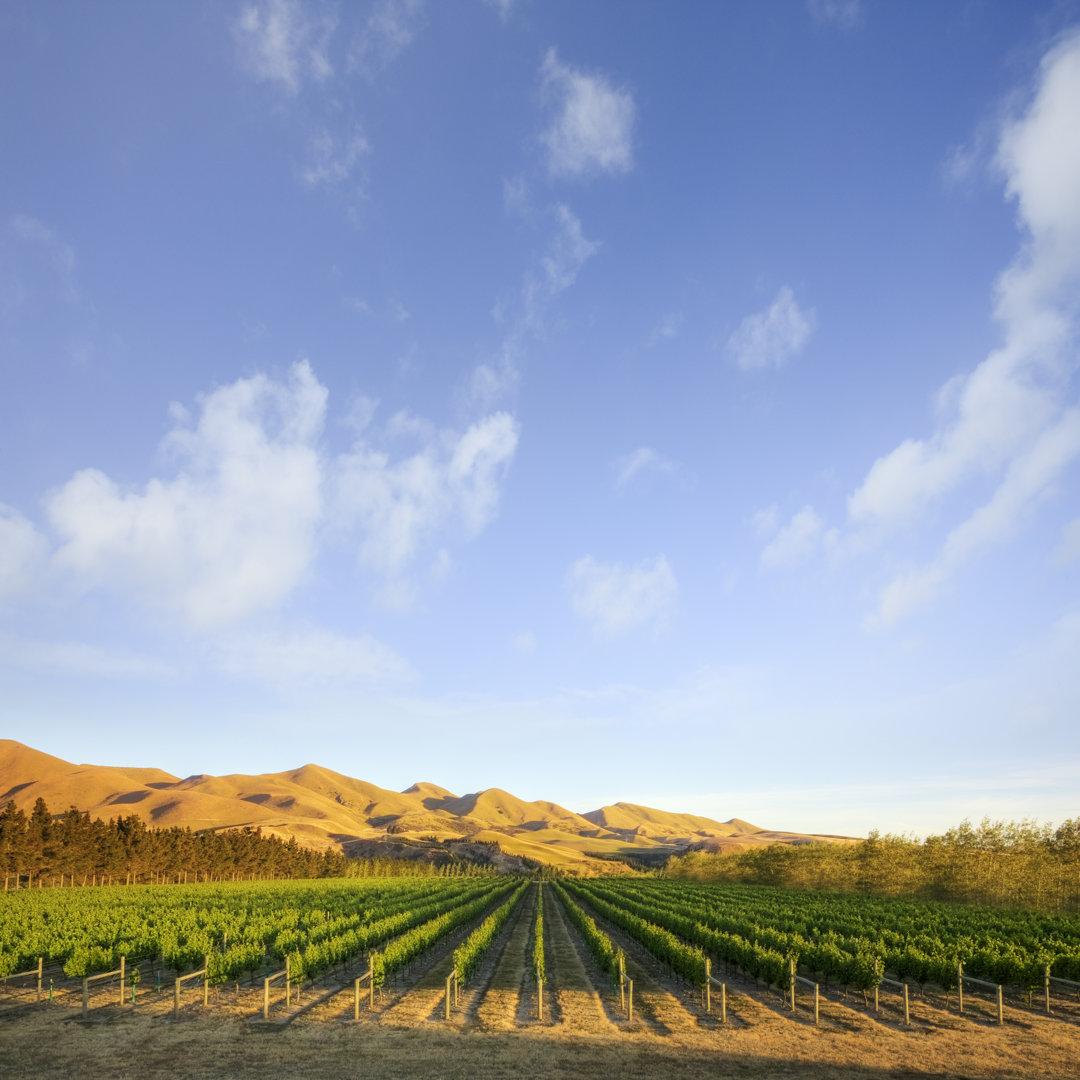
325 809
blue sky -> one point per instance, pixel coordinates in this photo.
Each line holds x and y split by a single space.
668 403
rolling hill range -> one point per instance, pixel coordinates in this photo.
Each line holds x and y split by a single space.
324 809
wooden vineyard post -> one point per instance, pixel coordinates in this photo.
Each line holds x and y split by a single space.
708 984
540 998
960 987
356 1000
206 981
723 1003
451 980
122 959
792 973
815 1004
1001 1009
907 1013
622 984
176 999
85 996
40 968
288 982
630 1000
1047 989
266 999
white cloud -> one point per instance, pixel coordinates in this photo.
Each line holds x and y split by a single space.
307 654
846 14
616 598
795 543
233 532
1069 548
389 30
332 160
452 480
771 337
643 460
75 658
23 554
1011 421
567 251
766 520
592 130
279 41
668 328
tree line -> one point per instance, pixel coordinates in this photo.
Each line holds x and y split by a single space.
1006 863
72 848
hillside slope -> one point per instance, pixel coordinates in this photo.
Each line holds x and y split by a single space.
325 809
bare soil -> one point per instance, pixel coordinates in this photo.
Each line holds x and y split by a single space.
494 1032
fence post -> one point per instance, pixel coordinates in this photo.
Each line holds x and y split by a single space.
622 984
40 962
356 1000
907 1014
122 959
176 998
1047 989
266 999
540 997
723 1003
815 1004
85 996
708 984
1001 1011
630 1000
288 982
791 969
960 986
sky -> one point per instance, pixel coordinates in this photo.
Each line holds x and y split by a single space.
668 403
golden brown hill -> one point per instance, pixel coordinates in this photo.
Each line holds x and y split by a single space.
325 809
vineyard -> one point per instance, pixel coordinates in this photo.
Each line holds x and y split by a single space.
552 959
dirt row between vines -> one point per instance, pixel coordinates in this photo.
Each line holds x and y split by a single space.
494 1032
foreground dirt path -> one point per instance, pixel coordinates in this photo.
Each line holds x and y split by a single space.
575 980
499 1004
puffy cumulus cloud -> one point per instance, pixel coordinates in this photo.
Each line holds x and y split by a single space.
796 542
307 654
616 598
398 505
23 554
280 41
233 531
593 126
770 338
1011 422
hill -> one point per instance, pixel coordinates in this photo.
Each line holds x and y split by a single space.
324 810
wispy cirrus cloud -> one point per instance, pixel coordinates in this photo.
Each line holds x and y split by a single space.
387 32
643 461
568 249
283 42
592 129
614 598
770 338
846 14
